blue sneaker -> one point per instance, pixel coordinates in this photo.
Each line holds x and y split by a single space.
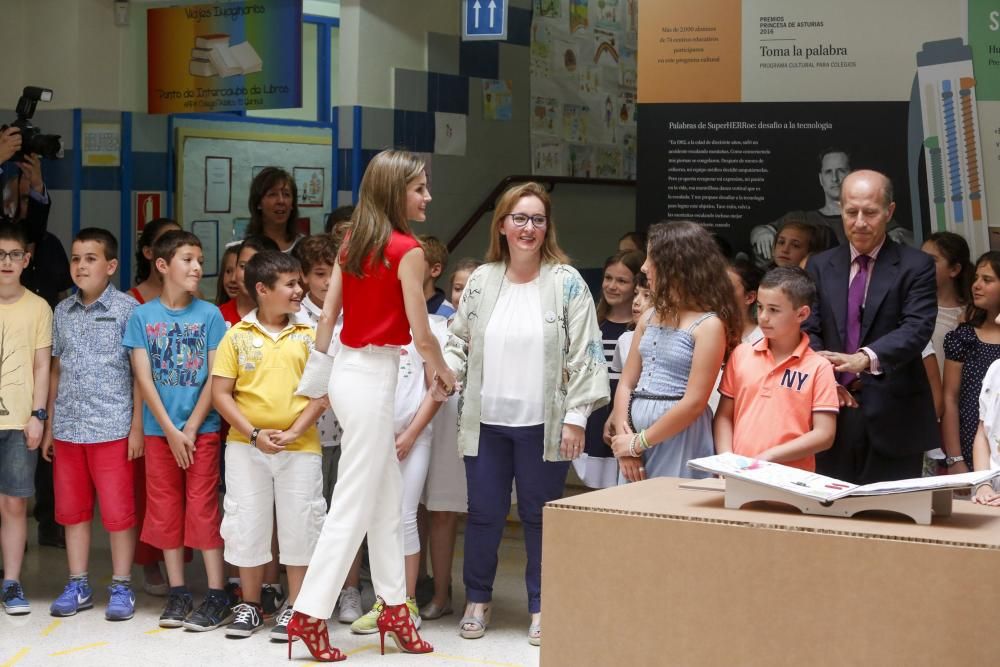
14 602
121 606
77 596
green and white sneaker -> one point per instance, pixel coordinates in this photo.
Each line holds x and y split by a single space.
368 624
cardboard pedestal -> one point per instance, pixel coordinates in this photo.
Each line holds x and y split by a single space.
653 574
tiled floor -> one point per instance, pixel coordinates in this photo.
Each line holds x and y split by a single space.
87 639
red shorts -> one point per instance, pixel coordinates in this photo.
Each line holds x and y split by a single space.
182 506
80 469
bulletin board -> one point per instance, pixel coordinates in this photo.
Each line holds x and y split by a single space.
216 167
201 185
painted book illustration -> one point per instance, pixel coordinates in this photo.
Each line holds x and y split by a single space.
212 55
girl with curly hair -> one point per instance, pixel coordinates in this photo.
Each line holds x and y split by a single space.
661 417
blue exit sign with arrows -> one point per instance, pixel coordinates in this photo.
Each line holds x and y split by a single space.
484 19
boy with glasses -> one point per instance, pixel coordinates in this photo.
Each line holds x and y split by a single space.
25 349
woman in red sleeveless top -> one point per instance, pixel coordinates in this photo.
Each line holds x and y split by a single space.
378 283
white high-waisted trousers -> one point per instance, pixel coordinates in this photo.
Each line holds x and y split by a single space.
369 491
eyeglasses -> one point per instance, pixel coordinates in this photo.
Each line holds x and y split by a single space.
520 220
15 255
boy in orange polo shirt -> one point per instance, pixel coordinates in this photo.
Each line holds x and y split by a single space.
779 397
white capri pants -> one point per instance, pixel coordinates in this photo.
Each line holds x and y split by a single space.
368 496
414 471
259 486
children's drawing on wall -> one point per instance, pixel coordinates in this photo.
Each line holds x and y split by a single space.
548 159
610 125
608 163
607 14
626 108
449 133
549 8
497 99
590 80
632 16
628 156
581 161
628 67
545 115
310 181
579 15
605 47
580 95
565 60
575 122
541 49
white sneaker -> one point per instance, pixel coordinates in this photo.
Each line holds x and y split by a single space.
350 605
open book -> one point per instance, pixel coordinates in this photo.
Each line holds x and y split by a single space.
826 489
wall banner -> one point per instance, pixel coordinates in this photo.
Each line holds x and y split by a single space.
225 57
754 110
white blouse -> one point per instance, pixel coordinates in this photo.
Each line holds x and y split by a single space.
513 358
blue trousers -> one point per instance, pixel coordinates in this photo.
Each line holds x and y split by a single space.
507 454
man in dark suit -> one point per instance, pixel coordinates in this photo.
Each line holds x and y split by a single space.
875 311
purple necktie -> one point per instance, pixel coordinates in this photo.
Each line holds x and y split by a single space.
855 304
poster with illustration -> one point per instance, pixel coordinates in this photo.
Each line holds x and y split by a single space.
575 120
545 115
549 8
608 162
579 15
581 161
309 181
605 48
608 14
625 106
548 159
497 99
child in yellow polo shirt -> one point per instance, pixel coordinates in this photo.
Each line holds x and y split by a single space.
779 398
273 453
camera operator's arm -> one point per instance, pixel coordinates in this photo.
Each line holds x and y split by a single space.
36 219
31 170
10 143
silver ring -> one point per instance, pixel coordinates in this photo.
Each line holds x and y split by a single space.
641 469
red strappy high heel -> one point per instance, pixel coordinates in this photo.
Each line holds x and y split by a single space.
395 621
313 633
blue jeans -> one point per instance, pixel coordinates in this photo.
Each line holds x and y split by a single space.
507 454
17 464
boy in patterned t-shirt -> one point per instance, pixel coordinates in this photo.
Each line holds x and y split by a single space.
173 341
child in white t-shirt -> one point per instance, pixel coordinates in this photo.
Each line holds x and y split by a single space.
641 302
317 255
986 446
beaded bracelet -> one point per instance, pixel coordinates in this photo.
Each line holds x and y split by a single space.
631 446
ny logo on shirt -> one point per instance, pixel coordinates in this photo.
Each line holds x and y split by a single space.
794 379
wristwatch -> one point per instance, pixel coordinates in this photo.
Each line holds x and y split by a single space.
40 414
952 460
